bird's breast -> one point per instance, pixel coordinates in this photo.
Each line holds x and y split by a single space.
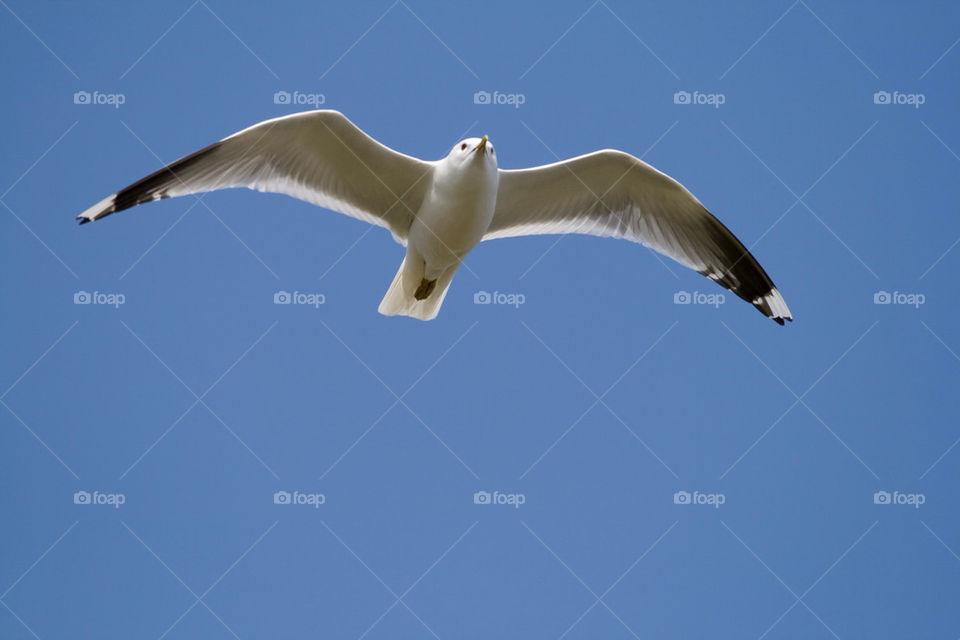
453 218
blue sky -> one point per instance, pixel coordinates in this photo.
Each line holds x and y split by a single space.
684 470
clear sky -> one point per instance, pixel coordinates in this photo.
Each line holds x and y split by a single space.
664 470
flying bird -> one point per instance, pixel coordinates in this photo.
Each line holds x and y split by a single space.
440 210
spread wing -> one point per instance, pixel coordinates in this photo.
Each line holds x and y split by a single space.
317 156
612 194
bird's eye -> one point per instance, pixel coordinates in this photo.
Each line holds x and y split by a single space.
463 146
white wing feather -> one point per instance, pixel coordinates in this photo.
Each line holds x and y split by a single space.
612 194
317 156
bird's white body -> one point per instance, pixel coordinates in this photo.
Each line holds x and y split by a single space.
456 213
441 210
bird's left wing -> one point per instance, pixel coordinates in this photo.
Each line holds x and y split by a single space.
612 194
317 156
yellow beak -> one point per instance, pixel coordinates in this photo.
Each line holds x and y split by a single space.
482 145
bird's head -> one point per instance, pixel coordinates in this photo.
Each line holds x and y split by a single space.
473 153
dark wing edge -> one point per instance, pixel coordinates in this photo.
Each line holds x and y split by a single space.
153 187
742 274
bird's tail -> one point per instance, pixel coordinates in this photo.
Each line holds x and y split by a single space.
400 299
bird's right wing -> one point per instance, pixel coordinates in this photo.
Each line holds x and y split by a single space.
611 193
317 156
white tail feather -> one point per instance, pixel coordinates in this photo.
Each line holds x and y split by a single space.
399 299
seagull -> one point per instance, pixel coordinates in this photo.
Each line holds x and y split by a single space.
440 210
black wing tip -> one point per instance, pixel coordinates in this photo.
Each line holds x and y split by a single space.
84 219
156 186
772 305
779 319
